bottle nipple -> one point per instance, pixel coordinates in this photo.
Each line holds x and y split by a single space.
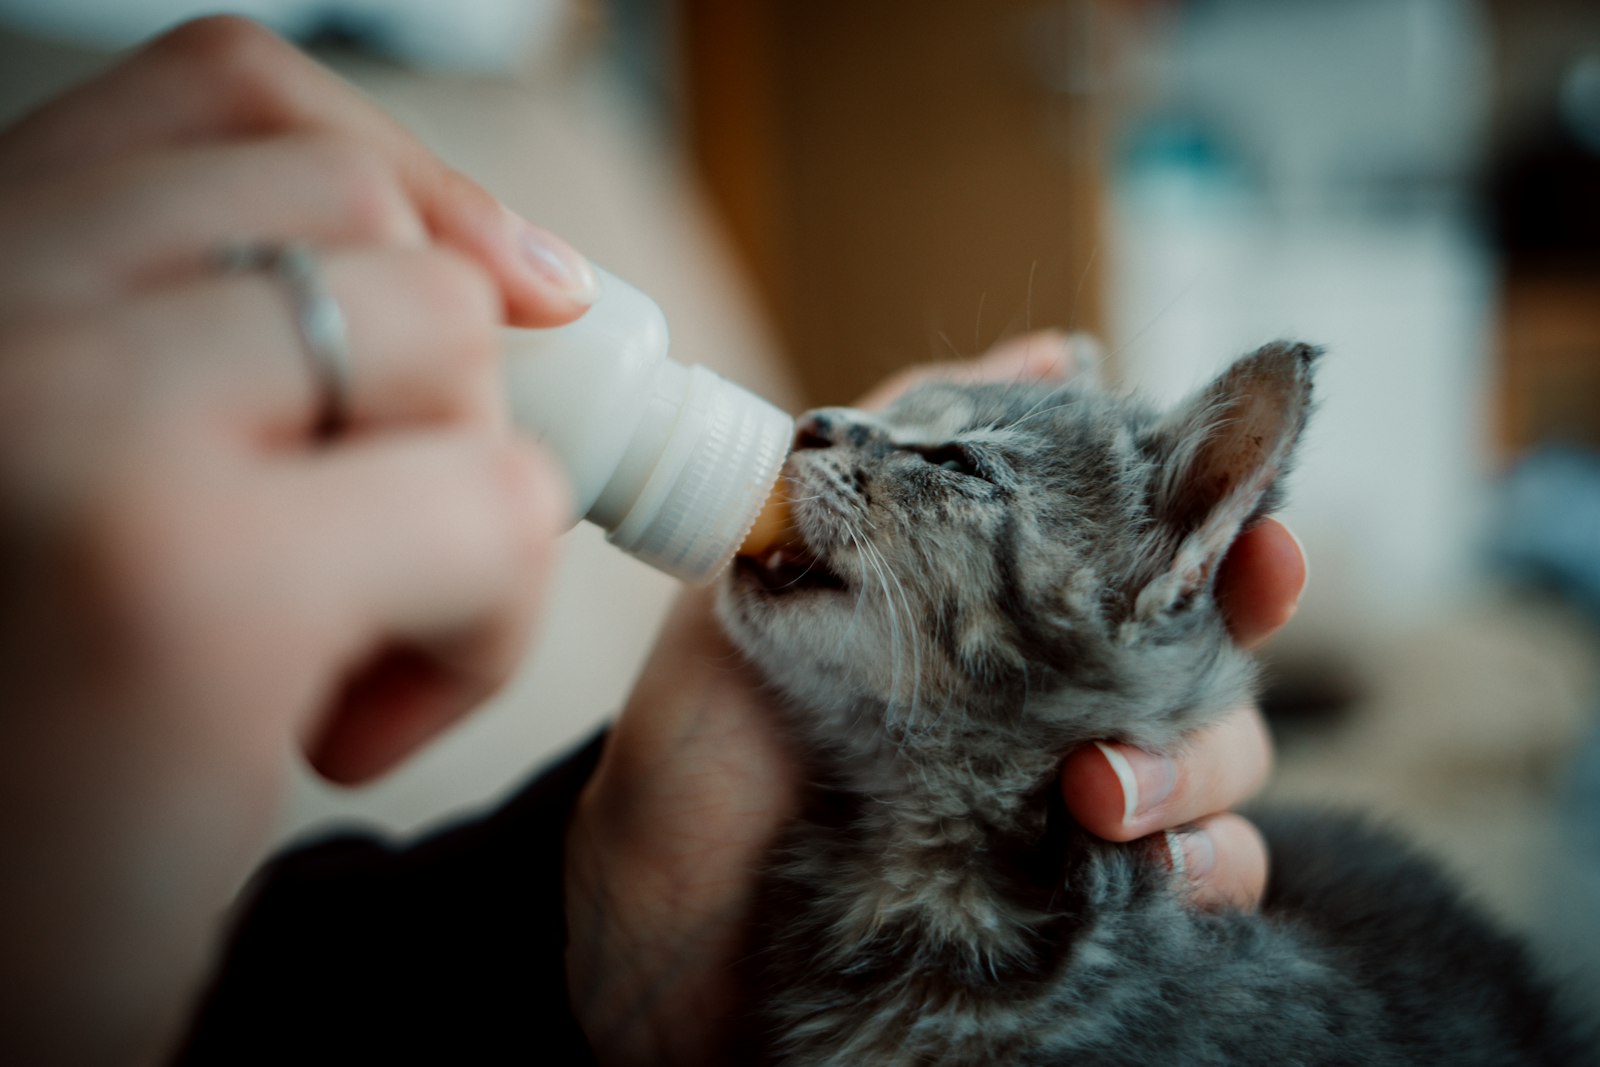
773 526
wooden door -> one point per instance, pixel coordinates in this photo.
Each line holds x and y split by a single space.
905 180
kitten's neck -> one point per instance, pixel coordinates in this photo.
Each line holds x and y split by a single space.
994 787
947 851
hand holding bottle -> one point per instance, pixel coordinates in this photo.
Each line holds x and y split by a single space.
195 581
673 461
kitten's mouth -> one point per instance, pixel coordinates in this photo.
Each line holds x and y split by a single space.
788 568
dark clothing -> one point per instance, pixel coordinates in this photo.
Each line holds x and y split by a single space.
449 950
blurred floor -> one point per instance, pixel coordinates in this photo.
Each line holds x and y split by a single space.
1463 733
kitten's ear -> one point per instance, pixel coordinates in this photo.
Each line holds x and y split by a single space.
1222 453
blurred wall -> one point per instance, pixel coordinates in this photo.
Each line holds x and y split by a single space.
464 35
1308 170
905 182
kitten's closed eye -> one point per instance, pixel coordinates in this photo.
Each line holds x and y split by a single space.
952 458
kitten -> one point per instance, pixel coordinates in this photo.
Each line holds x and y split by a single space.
991 575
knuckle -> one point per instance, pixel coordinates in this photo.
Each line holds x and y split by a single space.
1269 756
532 495
210 36
249 68
126 557
58 372
464 305
371 199
466 194
1258 748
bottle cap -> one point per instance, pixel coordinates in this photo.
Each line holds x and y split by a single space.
718 466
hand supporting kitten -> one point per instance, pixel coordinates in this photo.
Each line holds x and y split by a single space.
668 837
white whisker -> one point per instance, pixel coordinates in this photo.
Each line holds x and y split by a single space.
906 634
1038 412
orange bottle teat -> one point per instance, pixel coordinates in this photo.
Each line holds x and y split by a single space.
773 526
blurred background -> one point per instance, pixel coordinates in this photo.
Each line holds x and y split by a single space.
818 193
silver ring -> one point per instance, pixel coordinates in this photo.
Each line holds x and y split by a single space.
318 318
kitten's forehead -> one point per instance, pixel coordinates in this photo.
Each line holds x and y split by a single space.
932 414
941 410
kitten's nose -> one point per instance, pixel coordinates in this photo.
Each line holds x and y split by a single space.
815 429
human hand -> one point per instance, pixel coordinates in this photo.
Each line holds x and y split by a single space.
667 839
195 581
1122 793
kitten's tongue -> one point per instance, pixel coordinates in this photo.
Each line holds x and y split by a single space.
774 527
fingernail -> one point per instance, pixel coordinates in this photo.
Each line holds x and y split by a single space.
1146 778
1305 563
1193 853
551 499
556 263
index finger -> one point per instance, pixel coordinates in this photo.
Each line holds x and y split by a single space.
226 78
1042 355
1120 792
1260 580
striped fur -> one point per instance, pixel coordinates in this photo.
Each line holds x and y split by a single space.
1012 571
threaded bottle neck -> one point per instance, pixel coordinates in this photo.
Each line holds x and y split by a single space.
673 462
714 469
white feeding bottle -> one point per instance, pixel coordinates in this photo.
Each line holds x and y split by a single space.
674 462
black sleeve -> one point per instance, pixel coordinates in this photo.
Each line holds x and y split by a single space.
449 950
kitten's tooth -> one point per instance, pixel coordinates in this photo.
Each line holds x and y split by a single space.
775 561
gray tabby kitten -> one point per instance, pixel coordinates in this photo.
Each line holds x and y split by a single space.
990 576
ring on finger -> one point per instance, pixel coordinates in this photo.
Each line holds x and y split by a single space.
319 319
